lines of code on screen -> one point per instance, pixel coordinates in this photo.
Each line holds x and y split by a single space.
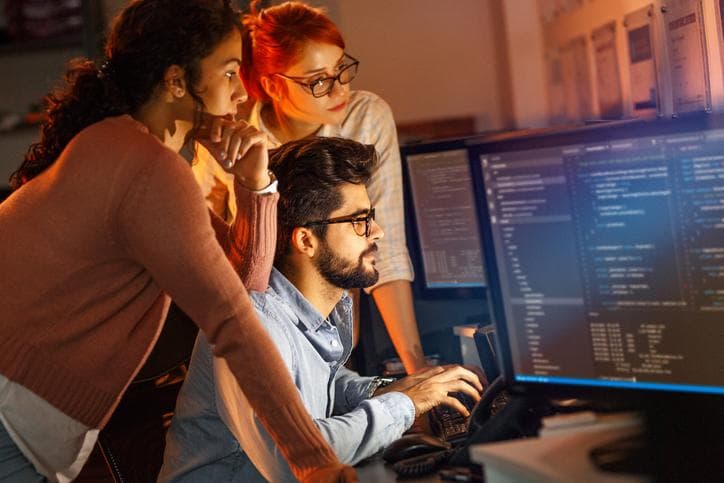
611 258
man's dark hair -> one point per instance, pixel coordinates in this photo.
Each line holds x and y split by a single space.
310 172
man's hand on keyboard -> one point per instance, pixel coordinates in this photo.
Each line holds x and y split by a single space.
478 372
432 387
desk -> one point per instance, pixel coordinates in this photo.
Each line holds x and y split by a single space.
560 455
555 458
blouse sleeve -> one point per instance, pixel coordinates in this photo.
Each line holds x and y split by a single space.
385 191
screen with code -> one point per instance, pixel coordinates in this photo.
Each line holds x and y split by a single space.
447 226
610 260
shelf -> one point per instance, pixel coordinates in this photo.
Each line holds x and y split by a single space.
38 45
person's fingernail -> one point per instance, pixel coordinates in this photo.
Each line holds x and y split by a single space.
222 155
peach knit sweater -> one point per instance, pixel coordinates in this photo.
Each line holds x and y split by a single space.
92 250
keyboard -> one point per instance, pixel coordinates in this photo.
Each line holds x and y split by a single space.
451 426
448 424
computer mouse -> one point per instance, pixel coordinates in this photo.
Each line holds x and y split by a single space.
413 445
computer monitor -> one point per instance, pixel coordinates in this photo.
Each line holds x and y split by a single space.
604 249
446 237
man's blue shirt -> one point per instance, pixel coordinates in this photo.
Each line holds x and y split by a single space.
214 435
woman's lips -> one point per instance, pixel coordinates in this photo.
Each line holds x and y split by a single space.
339 107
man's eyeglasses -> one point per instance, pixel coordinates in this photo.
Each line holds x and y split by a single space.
321 86
362 224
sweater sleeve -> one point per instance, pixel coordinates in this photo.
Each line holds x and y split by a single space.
249 242
164 224
356 433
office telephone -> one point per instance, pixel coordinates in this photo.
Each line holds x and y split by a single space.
497 416
448 426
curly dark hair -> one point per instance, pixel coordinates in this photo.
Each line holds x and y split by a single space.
146 38
310 172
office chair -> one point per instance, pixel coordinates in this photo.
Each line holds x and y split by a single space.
134 440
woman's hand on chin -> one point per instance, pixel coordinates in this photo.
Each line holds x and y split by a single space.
240 148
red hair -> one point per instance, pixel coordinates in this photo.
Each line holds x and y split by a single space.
274 38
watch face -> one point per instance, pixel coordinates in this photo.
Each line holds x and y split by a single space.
374 385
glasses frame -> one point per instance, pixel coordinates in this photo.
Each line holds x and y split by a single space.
367 218
309 86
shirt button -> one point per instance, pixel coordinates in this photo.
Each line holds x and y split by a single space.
334 343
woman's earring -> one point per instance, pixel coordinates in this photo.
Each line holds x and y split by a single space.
178 88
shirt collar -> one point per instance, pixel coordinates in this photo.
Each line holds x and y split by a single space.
307 314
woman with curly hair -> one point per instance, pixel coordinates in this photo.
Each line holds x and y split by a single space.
107 224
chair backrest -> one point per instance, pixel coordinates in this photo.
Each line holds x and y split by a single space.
173 347
134 439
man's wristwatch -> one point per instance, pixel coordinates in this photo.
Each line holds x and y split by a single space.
377 383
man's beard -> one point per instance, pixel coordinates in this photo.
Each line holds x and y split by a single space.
339 273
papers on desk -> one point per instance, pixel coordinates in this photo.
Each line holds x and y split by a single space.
587 421
560 454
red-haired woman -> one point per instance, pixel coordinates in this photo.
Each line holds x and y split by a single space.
297 73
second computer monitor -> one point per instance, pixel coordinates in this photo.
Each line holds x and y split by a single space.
444 215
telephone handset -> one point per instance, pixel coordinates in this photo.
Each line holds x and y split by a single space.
415 454
498 416
494 399
501 416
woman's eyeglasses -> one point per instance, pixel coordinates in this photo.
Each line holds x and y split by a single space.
320 87
362 224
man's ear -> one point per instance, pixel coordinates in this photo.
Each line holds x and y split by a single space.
174 81
273 87
304 242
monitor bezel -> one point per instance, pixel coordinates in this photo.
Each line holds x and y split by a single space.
583 134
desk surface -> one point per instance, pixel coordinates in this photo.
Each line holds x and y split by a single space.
562 458
557 456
